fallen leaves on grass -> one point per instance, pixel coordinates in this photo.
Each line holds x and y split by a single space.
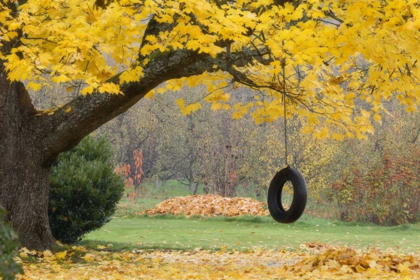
343 261
209 205
331 262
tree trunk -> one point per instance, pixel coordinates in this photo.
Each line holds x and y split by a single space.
23 179
193 187
157 183
24 195
163 179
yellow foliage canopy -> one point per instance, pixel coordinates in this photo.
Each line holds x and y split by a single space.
333 60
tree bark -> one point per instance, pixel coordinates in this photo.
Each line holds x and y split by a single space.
23 180
193 187
164 184
157 183
191 178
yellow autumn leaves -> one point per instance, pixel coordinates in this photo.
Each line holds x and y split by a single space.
312 261
337 62
208 205
74 41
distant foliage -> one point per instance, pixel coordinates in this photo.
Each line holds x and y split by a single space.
132 178
388 193
8 249
84 190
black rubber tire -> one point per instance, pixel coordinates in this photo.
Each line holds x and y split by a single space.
300 195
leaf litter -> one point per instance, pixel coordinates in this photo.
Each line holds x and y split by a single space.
209 205
311 261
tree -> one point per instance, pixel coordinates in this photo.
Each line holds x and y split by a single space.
319 57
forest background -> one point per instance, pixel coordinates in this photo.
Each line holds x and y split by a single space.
213 150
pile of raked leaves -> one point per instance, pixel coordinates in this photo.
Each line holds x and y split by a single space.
209 205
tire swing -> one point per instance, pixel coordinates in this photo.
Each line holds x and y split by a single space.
300 192
300 195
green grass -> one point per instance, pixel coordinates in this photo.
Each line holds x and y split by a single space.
127 208
169 232
128 231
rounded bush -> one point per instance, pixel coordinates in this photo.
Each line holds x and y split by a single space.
8 249
84 190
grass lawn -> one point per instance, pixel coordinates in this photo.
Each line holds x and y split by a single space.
169 232
127 231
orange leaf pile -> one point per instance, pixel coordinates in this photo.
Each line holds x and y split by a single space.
209 205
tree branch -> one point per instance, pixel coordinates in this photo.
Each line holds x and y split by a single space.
62 131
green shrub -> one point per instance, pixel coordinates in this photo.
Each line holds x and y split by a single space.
84 190
8 249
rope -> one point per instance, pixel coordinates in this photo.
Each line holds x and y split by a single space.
284 109
285 129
